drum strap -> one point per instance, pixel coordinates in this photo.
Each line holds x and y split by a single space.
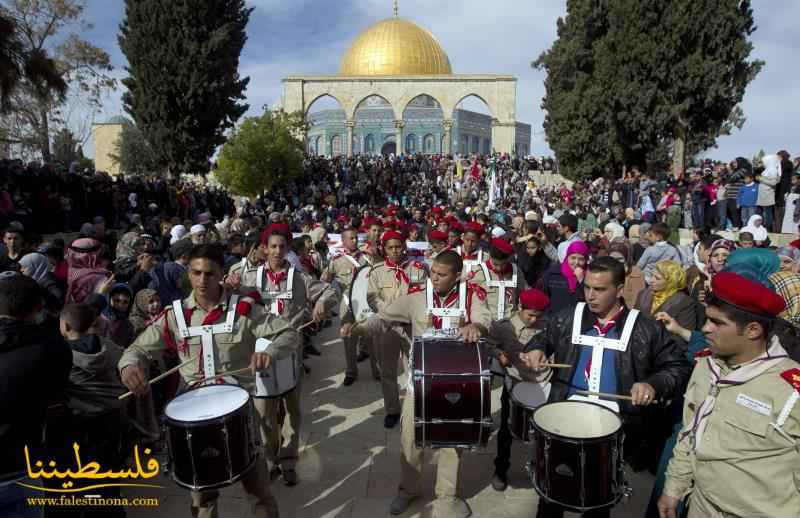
276 298
448 314
501 288
206 332
599 344
469 263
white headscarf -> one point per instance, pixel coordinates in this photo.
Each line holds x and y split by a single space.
759 233
176 232
772 166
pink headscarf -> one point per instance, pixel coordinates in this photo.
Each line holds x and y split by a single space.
577 247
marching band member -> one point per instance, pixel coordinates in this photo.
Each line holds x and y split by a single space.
244 272
388 281
372 248
230 349
469 251
499 277
289 293
507 339
416 311
438 243
341 269
637 356
738 453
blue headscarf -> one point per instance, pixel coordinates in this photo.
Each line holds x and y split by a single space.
756 264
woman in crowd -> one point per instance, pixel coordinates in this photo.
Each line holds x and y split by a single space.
146 306
534 262
755 226
37 266
563 283
666 294
634 278
789 257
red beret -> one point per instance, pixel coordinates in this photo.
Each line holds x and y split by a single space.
276 228
392 234
533 299
436 210
746 294
437 235
502 245
456 226
451 219
475 227
369 221
341 218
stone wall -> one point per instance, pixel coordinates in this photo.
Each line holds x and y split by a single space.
105 139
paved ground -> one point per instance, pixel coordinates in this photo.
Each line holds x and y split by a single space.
349 464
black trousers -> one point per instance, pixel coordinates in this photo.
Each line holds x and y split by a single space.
503 460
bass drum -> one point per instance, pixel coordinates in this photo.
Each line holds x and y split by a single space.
210 435
358 294
452 393
578 455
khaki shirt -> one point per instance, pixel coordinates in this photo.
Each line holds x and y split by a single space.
343 268
232 351
247 269
511 335
476 276
411 311
384 286
744 467
306 292
372 253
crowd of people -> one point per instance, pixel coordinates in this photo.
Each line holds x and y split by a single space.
709 363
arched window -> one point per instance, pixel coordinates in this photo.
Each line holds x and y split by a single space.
411 143
336 145
369 144
428 144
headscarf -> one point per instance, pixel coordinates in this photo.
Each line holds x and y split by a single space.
760 261
176 233
85 270
772 166
729 245
759 233
787 285
674 280
615 229
788 251
576 247
140 316
644 228
112 313
37 266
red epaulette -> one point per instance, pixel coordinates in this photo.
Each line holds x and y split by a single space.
255 295
792 377
702 353
419 265
243 308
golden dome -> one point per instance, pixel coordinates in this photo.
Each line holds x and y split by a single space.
395 47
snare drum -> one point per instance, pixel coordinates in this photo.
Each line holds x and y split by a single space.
525 398
578 455
281 375
210 436
452 393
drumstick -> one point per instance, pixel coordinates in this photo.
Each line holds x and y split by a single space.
557 365
305 325
606 394
161 376
226 373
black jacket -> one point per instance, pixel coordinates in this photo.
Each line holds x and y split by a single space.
35 363
651 357
555 286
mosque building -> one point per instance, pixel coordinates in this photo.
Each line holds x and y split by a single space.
396 85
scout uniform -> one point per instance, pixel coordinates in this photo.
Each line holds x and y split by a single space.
230 350
288 293
247 269
502 287
509 336
343 266
387 283
740 443
416 312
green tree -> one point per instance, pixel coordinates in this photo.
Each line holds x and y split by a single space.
134 154
36 103
65 147
628 80
184 91
262 152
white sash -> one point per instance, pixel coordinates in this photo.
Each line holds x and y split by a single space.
448 314
352 260
501 288
206 333
469 263
274 296
599 344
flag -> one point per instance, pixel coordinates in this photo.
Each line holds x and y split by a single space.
459 169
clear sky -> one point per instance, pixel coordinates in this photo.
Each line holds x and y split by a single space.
288 37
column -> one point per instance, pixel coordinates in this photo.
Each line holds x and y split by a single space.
349 124
503 136
398 135
448 139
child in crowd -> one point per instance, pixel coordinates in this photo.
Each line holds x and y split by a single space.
660 250
747 198
746 240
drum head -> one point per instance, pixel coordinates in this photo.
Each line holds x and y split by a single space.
529 394
576 420
208 402
358 294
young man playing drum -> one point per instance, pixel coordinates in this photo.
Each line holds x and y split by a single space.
611 351
469 251
738 451
418 310
388 281
341 270
508 337
296 296
498 276
228 348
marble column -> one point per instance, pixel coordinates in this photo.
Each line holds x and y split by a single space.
398 135
349 124
448 139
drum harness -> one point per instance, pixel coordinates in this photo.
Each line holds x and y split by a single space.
447 314
501 286
207 332
469 263
599 344
275 298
